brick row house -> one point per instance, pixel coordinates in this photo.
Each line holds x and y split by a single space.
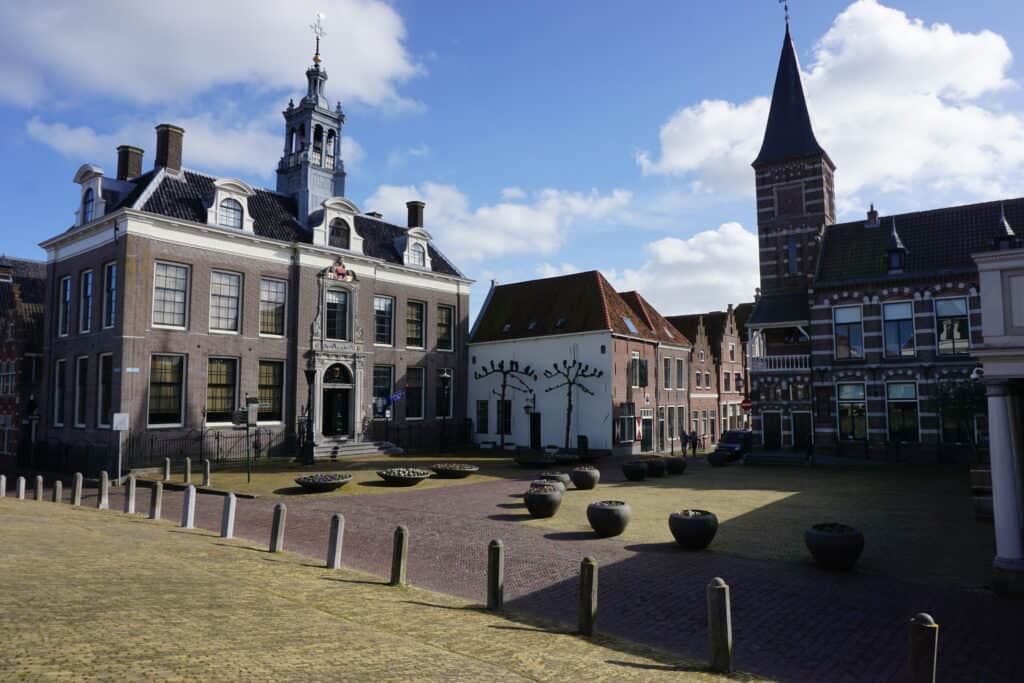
632 363
22 286
719 370
863 333
178 295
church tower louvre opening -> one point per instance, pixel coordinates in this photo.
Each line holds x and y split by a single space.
311 169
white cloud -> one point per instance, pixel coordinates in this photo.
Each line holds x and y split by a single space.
170 50
512 193
211 144
399 157
705 272
555 269
489 231
897 103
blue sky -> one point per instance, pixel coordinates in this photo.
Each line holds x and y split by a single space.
545 137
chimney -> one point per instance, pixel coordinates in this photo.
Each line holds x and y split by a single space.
168 147
129 162
415 213
872 221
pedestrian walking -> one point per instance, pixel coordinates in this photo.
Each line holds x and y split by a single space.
693 442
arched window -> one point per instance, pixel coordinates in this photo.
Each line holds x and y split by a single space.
417 255
301 139
329 161
318 146
337 374
340 236
230 214
292 139
88 206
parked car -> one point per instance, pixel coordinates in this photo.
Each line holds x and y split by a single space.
733 445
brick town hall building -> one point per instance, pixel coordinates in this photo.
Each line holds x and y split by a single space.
863 334
176 295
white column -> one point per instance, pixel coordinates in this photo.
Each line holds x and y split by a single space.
1006 493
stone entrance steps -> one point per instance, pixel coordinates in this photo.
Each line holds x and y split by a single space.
791 458
342 449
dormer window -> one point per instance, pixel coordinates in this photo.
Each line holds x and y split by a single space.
896 261
88 205
341 235
230 214
417 255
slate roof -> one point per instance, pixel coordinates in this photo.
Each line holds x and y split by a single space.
780 308
789 134
567 304
184 196
937 242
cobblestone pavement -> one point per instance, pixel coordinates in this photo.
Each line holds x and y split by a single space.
791 621
134 600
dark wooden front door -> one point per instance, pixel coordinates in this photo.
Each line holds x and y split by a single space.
535 431
802 431
647 434
771 430
335 414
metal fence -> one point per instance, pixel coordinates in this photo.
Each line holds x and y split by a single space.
220 447
433 435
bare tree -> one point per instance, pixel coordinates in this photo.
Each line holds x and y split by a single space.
571 373
513 378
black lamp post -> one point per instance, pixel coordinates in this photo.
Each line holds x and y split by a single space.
307 444
444 375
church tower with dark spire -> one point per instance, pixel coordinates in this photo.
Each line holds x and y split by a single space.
311 169
795 189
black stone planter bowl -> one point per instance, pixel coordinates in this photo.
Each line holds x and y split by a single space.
543 501
585 478
453 470
609 517
534 460
655 467
834 546
556 476
719 459
403 476
693 529
548 482
675 464
635 470
321 483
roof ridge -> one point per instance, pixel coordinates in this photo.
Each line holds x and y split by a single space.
601 283
938 209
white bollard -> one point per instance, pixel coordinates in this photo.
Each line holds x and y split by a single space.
188 508
227 520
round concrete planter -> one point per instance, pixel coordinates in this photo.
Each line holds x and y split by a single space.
403 476
321 483
585 478
693 529
556 476
543 501
675 464
539 483
609 517
655 467
635 470
834 546
453 470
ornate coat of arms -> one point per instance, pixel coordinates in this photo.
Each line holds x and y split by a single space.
339 272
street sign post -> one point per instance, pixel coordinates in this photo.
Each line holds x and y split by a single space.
119 424
746 405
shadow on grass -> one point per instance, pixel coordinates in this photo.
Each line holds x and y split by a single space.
464 608
572 536
250 548
658 667
534 629
367 582
509 518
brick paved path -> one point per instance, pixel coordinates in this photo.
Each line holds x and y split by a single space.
791 622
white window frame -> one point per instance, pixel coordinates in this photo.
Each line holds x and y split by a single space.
423 327
260 311
184 391
99 387
935 325
284 388
867 412
188 297
863 342
666 381
60 391
394 308
85 312
105 311
453 323
238 385
78 387
916 401
348 314
680 373
241 303
634 369
913 325
700 356
64 307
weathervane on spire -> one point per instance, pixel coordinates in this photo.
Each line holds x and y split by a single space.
319 31
785 6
